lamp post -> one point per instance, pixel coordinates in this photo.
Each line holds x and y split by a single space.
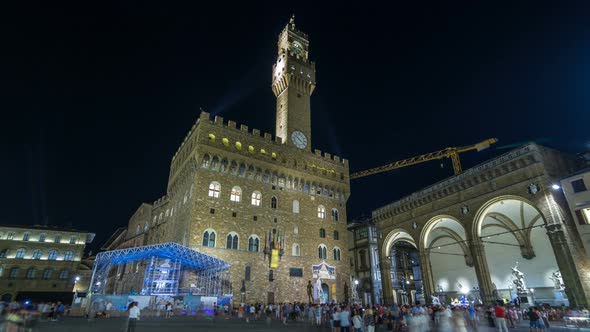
355 294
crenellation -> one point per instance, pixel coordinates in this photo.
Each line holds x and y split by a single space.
318 152
256 132
231 124
218 120
268 136
327 156
244 128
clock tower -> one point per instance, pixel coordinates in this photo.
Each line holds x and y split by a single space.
293 82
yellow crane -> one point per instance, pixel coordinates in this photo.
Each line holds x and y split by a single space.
452 152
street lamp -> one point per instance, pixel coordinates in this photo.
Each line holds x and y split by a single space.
555 186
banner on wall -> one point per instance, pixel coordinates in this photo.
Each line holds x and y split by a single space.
323 271
274 259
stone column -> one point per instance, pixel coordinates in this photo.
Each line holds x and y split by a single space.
482 272
427 277
567 266
386 280
566 242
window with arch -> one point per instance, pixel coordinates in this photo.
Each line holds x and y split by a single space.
273 203
336 235
236 194
31 273
74 239
69 256
322 251
206 161
137 229
295 250
3 253
256 198
14 273
209 239
52 255
335 216
231 241
20 253
145 228
154 221
57 239
214 189
42 238
37 254
26 237
63 274
336 252
295 230
295 206
321 212
322 232
47 274
253 243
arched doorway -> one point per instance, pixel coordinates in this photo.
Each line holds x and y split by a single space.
326 292
405 274
444 240
519 255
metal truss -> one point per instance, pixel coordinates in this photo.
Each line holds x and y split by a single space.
177 255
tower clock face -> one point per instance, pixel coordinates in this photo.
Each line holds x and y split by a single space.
299 139
297 48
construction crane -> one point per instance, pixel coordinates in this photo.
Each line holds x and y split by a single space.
452 152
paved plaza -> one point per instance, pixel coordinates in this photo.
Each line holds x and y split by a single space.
180 324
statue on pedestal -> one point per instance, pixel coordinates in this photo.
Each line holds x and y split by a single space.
557 280
318 292
309 291
518 279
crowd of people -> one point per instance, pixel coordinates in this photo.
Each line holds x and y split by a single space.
24 316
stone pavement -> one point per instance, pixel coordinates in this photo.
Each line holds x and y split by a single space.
181 324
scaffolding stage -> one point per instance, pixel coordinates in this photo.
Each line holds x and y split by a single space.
164 266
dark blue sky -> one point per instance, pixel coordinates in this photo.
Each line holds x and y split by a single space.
97 96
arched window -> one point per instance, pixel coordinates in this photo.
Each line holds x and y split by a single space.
31 273
231 241
322 251
63 274
253 243
336 254
42 238
214 189
52 255
209 238
295 230
137 229
336 235
295 206
206 161
322 232
69 256
256 198
26 237
37 254
154 221
295 250
20 253
224 165
334 215
47 274
273 203
57 239
145 228
242 170
321 212
14 273
236 194
214 163
233 168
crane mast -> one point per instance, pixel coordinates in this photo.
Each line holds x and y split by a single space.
451 152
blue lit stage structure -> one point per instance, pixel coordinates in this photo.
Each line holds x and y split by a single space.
165 264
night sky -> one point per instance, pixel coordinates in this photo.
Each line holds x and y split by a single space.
96 97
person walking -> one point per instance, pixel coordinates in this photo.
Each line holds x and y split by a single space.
357 321
345 320
133 317
500 313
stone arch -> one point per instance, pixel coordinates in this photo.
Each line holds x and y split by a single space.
398 234
521 229
450 228
511 231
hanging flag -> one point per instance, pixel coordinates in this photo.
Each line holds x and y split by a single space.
274 259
